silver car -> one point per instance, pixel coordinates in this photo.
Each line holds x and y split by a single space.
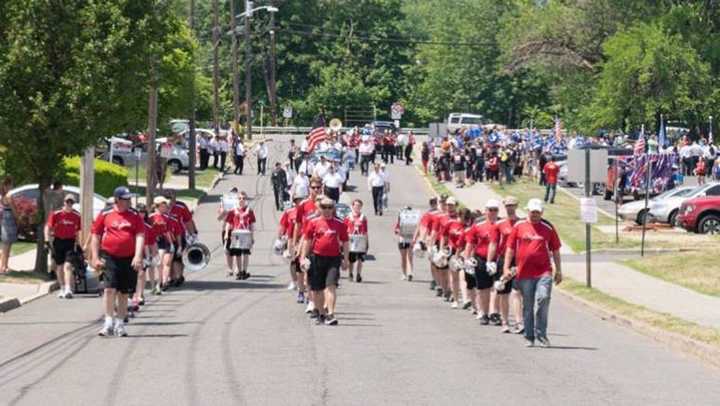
666 209
635 211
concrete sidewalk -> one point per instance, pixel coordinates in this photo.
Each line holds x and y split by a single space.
617 280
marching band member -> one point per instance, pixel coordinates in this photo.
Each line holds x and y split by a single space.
151 251
438 223
286 229
450 234
160 221
482 242
356 223
422 236
504 228
62 229
305 210
240 218
405 246
182 213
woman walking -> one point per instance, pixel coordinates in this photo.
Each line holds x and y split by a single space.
8 225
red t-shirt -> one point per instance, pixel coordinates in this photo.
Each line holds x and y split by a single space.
327 235
533 243
453 230
175 227
306 208
481 235
356 224
150 236
118 231
287 221
181 212
426 221
160 224
65 225
439 221
551 170
504 229
241 219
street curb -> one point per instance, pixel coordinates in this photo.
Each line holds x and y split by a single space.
704 352
43 290
215 181
637 251
9 304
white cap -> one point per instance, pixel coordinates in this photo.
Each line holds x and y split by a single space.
535 205
451 200
492 204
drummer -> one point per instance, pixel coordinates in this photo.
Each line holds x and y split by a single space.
286 229
239 219
223 211
422 235
357 224
160 222
405 246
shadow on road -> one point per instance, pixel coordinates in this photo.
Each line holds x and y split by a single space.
560 347
221 285
155 336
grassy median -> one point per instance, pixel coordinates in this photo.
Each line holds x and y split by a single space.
697 270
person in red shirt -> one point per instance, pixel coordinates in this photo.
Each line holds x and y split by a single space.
405 246
551 170
481 244
62 230
423 233
118 241
305 209
184 215
177 229
529 244
438 223
451 233
357 224
505 228
150 253
285 231
327 241
163 229
240 218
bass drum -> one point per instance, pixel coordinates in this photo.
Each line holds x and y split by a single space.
241 240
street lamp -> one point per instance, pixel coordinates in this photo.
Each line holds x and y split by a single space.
247 14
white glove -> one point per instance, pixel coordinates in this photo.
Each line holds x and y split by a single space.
305 264
491 268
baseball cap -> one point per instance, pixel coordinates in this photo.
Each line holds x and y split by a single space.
535 205
326 201
69 197
122 192
443 198
451 200
160 200
492 204
510 200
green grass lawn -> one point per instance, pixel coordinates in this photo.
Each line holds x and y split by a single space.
667 322
697 270
21 247
203 179
24 277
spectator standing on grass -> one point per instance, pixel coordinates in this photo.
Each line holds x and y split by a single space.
551 170
425 156
8 224
223 148
239 157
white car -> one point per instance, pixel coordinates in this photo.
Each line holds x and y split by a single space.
635 210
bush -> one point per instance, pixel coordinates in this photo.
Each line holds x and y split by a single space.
108 176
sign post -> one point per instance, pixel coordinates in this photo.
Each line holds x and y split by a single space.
588 212
396 111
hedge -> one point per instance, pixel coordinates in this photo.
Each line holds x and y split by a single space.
108 176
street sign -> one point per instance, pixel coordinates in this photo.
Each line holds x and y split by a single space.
397 123
396 111
287 112
588 210
576 165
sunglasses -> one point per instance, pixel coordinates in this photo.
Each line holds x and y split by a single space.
324 207
493 209
315 187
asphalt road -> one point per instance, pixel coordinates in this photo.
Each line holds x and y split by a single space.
222 342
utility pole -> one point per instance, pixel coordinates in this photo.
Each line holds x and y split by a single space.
193 147
235 74
216 69
273 82
248 72
152 127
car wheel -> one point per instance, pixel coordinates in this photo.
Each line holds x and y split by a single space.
174 165
710 224
642 217
672 219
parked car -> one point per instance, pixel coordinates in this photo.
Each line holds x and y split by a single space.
664 208
701 214
25 199
125 153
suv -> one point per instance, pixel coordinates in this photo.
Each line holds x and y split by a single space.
701 214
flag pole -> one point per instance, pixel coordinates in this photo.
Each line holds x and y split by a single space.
647 192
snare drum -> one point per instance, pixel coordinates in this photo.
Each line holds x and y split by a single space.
241 240
358 243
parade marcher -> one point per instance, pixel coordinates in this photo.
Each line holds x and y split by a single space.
356 223
439 222
118 240
386 187
450 233
182 213
61 231
261 151
481 243
151 252
332 182
504 228
405 247
422 236
223 148
203 148
286 229
214 150
240 218
278 178
529 243
327 240
366 150
551 171
177 231
300 185
425 156
161 223
376 185
294 155
239 157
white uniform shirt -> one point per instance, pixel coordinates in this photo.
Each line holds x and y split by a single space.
321 170
213 146
202 143
262 151
376 179
300 185
239 149
304 146
333 180
223 146
366 148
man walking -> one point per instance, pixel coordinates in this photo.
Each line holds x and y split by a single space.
280 185
529 243
551 170
62 229
204 155
262 155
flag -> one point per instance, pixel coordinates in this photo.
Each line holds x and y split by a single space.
639 148
317 134
662 135
558 129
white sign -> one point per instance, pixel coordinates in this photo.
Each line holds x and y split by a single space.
598 165
397 123
287 112
396 111
588 210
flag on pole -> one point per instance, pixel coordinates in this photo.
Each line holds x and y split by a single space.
662 135
639 148
317 134
558 129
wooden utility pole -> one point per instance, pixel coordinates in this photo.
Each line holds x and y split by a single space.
273 82
216 68
192 154
248 73
151 179
236 75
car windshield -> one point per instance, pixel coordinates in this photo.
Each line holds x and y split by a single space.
472 120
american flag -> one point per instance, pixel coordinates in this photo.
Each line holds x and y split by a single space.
639 148
317 134
558 129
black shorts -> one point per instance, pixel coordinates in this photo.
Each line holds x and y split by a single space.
324 272
119 274
403 245
163 244
61 248
470 281
295 265
482 279
356 256
509 284
235 252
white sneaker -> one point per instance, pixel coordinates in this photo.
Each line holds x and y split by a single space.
120 329
68 294
107 330
403 277
61 294
310 307
454 304
291 286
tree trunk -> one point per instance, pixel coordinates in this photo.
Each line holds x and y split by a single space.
152 127
216 68
236 77
41 256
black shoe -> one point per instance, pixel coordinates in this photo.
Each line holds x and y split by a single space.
246 275
358 278
433 285
330 320
320 320
315 314
495 319
126 320
350 277
484 320
239 277
181 281
438 292
467 305
410 278
142 301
